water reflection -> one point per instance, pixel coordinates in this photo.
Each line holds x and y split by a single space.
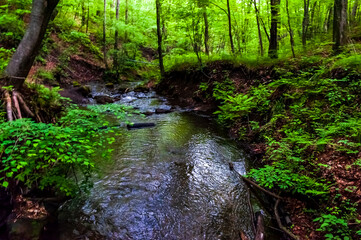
167 182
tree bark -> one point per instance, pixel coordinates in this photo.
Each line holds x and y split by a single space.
230 26
159 34
259 28
87 19
354 12
116 38
273 46
126 20
22 60
206 30
292 41
105 34
305 22
340 24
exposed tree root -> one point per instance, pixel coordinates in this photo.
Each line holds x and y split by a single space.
16 107
9 109
24 106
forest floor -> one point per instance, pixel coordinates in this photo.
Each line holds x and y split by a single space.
183 87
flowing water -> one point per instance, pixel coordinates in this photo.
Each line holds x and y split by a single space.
171 181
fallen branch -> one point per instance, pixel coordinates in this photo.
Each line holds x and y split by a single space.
260 188
9 110
283 228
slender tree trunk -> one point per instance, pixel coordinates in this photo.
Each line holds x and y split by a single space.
305 22
159 34
273 46
105 34
327 24
87 20
126 20
340 24
206 30
22 60
116 38
292 42
259 28
230 26
354 12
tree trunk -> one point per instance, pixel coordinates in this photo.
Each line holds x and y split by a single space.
87 20
292 42
116 38
230 26
22 60
159 34
105 34
273 45
206 30
354 12
126 20
259 28
340 24
305 22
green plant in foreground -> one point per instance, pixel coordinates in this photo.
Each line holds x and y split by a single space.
43 155
334 227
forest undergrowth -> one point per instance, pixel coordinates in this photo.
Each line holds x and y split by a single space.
302 116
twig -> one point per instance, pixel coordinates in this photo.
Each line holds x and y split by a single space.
284 229
261 188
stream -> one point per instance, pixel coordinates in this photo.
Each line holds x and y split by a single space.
171 181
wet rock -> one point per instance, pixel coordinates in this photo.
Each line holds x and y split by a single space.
103 99
140 125
5 206
76 84
162 111
109 85
141 89
123 90
148 113
84 90
25 228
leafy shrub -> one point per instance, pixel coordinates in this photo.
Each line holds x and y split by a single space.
334 227
5 55
52 155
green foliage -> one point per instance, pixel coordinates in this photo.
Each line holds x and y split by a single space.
334 227
5 55
45 75
352 63
52 155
